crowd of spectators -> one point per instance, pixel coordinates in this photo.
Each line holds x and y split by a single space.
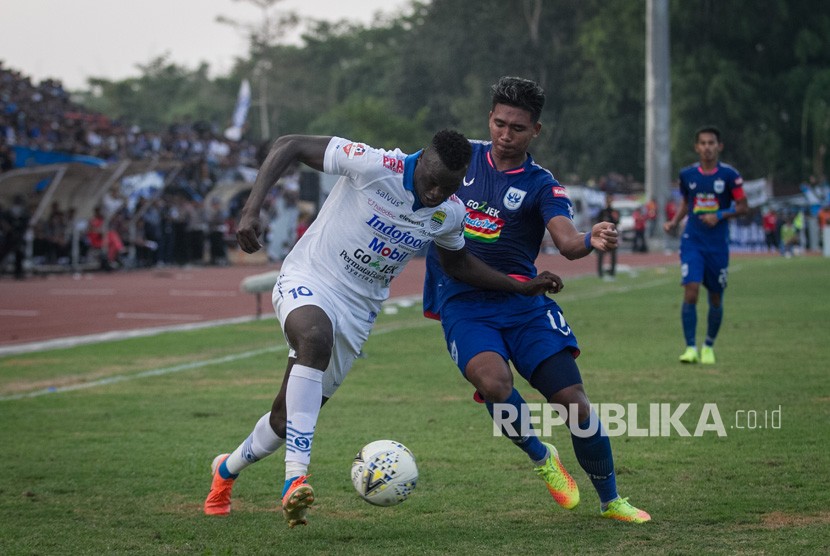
176 226
44 117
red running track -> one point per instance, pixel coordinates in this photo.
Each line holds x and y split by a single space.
63 306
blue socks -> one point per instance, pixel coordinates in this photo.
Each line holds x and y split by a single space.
224 473
288 484
713 322
531 444
594 456
688 316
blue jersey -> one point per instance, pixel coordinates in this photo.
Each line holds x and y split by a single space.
507 215
707 192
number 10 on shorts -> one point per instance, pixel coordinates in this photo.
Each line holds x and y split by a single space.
301 291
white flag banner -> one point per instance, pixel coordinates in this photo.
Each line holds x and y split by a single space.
240 112
756 192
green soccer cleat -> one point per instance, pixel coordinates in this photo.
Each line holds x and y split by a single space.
707 355
689 356
621 510
560 483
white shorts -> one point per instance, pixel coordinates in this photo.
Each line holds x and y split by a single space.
352 320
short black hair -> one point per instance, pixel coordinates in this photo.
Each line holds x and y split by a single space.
521 93
708 129
453 149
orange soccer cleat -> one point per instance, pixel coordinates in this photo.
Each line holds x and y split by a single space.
218 501
296 499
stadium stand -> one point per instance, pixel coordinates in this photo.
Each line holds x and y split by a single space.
66 160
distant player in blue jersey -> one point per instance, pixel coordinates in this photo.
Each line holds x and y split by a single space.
511 203
712 193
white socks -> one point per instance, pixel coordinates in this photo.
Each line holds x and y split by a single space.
304 394
262 442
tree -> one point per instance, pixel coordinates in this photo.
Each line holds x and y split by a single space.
815 126
373 120
188 95
755 68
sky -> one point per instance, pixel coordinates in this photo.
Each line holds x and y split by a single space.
71 40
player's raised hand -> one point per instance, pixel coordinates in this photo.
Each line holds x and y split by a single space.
248 232
604 236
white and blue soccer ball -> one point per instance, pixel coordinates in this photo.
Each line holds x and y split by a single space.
384 473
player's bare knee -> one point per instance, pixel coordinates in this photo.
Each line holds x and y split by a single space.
574 401
491 376
493 385
313 347
495 389
583 410
691 293
573 398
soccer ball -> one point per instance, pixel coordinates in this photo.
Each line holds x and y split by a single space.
384 472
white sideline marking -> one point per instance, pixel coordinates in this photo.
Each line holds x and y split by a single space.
183 367
63 343
18 313
143 374
405 301
155 316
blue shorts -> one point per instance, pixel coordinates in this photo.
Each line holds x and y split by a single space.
704 266
524 330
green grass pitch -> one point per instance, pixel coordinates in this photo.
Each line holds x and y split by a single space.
107 447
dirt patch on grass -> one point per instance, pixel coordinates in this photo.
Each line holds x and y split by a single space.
780 520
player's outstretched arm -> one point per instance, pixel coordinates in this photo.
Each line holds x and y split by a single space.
463 265
574 244
308 149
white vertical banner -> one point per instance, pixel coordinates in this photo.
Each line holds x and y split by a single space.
240 112
756 192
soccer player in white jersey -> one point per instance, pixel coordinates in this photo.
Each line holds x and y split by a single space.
384 209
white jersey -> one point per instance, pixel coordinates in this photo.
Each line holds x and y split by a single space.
367 231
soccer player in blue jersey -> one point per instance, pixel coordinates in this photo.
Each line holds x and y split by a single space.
511 203
712 193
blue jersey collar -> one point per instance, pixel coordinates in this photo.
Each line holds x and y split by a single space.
409 164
